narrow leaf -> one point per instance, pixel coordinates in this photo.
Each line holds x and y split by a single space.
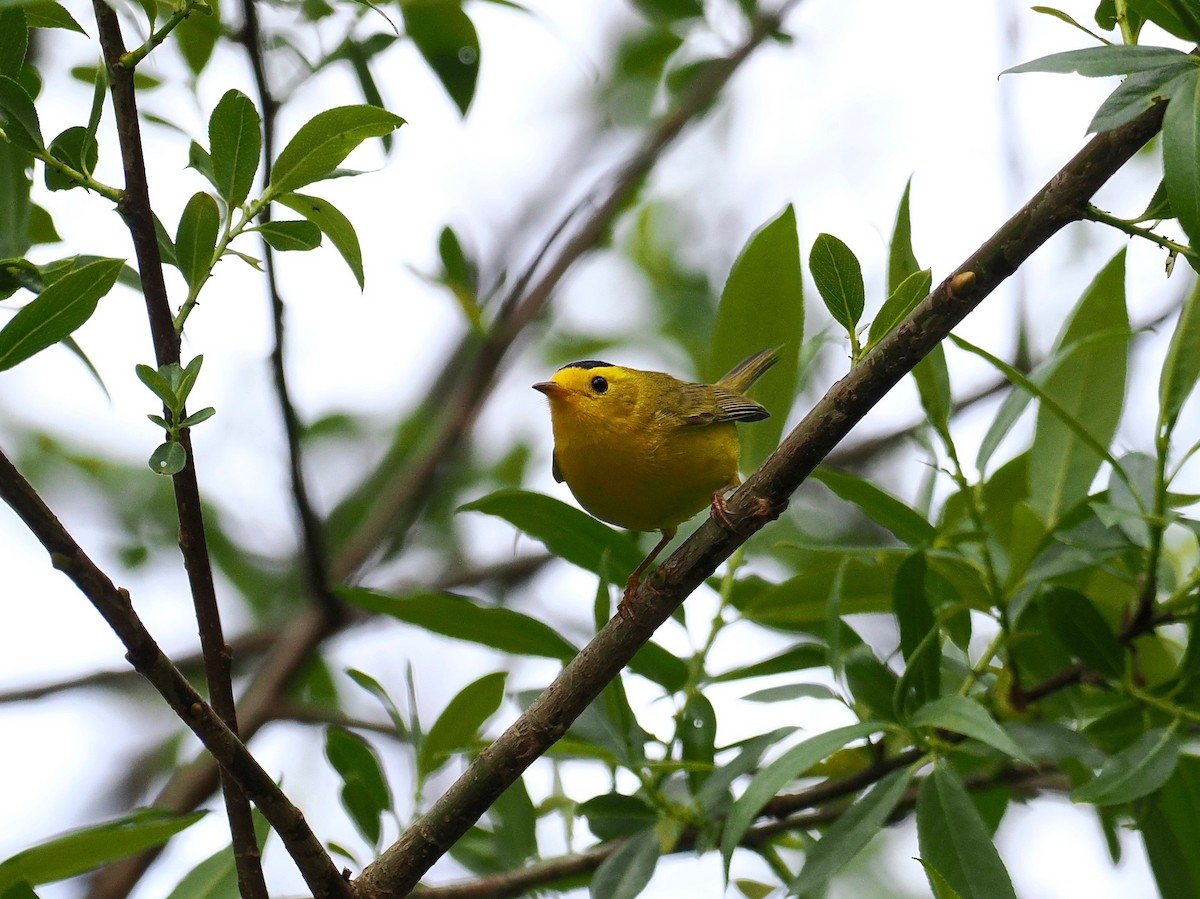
333 225
290 235
1181 156
955 841
460 618
1095 62
785 769
851 832
967 717
762 305
567 532
82 850
1181 367
902 261
625 873
1072 618
881 507
324 141
196 238
903 300
459 724
1134 772
1170 827
58 311
1081 401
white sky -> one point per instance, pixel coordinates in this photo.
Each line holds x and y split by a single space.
868 95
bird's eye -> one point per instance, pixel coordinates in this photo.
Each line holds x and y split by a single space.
599 384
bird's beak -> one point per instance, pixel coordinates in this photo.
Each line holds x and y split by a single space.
550 388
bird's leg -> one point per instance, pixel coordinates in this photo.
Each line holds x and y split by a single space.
718 506
624 608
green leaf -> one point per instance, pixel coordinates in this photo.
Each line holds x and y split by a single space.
904 299
158 384
785 769
446 39
196 417
1181 155
670 10
18 117
79 851
611 816
14 41
961 715
933 386
333 225
838 277
48 14
788 692
762 305
625 873
459 617
16 210
196 239
168 459
902 262
803 655
60 309
458 726
1014 404
907 524
197 35
1168 15
659 666
1089 390
696 728
1134 772
569 533
19 890
1136 94
1170 827
235 141
954 839
376 689
216 876
915 618
516 825
937 881
1181 367
1097 62
18 273
1072 618
323 142
77 148
290 235
365 793
851 832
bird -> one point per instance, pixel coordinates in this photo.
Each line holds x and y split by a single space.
646 451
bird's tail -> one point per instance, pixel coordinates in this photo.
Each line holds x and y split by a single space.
749 370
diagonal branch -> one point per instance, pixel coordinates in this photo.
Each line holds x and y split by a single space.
761 499
148 659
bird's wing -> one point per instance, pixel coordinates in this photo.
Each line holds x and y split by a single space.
554 469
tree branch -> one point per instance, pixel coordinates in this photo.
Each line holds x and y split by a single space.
761 499
137 212
149 660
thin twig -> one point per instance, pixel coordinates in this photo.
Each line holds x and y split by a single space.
761 499
147 658
137 212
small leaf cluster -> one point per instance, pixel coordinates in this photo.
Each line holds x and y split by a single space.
1153 75
173 383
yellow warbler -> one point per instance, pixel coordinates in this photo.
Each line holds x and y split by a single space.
646 451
